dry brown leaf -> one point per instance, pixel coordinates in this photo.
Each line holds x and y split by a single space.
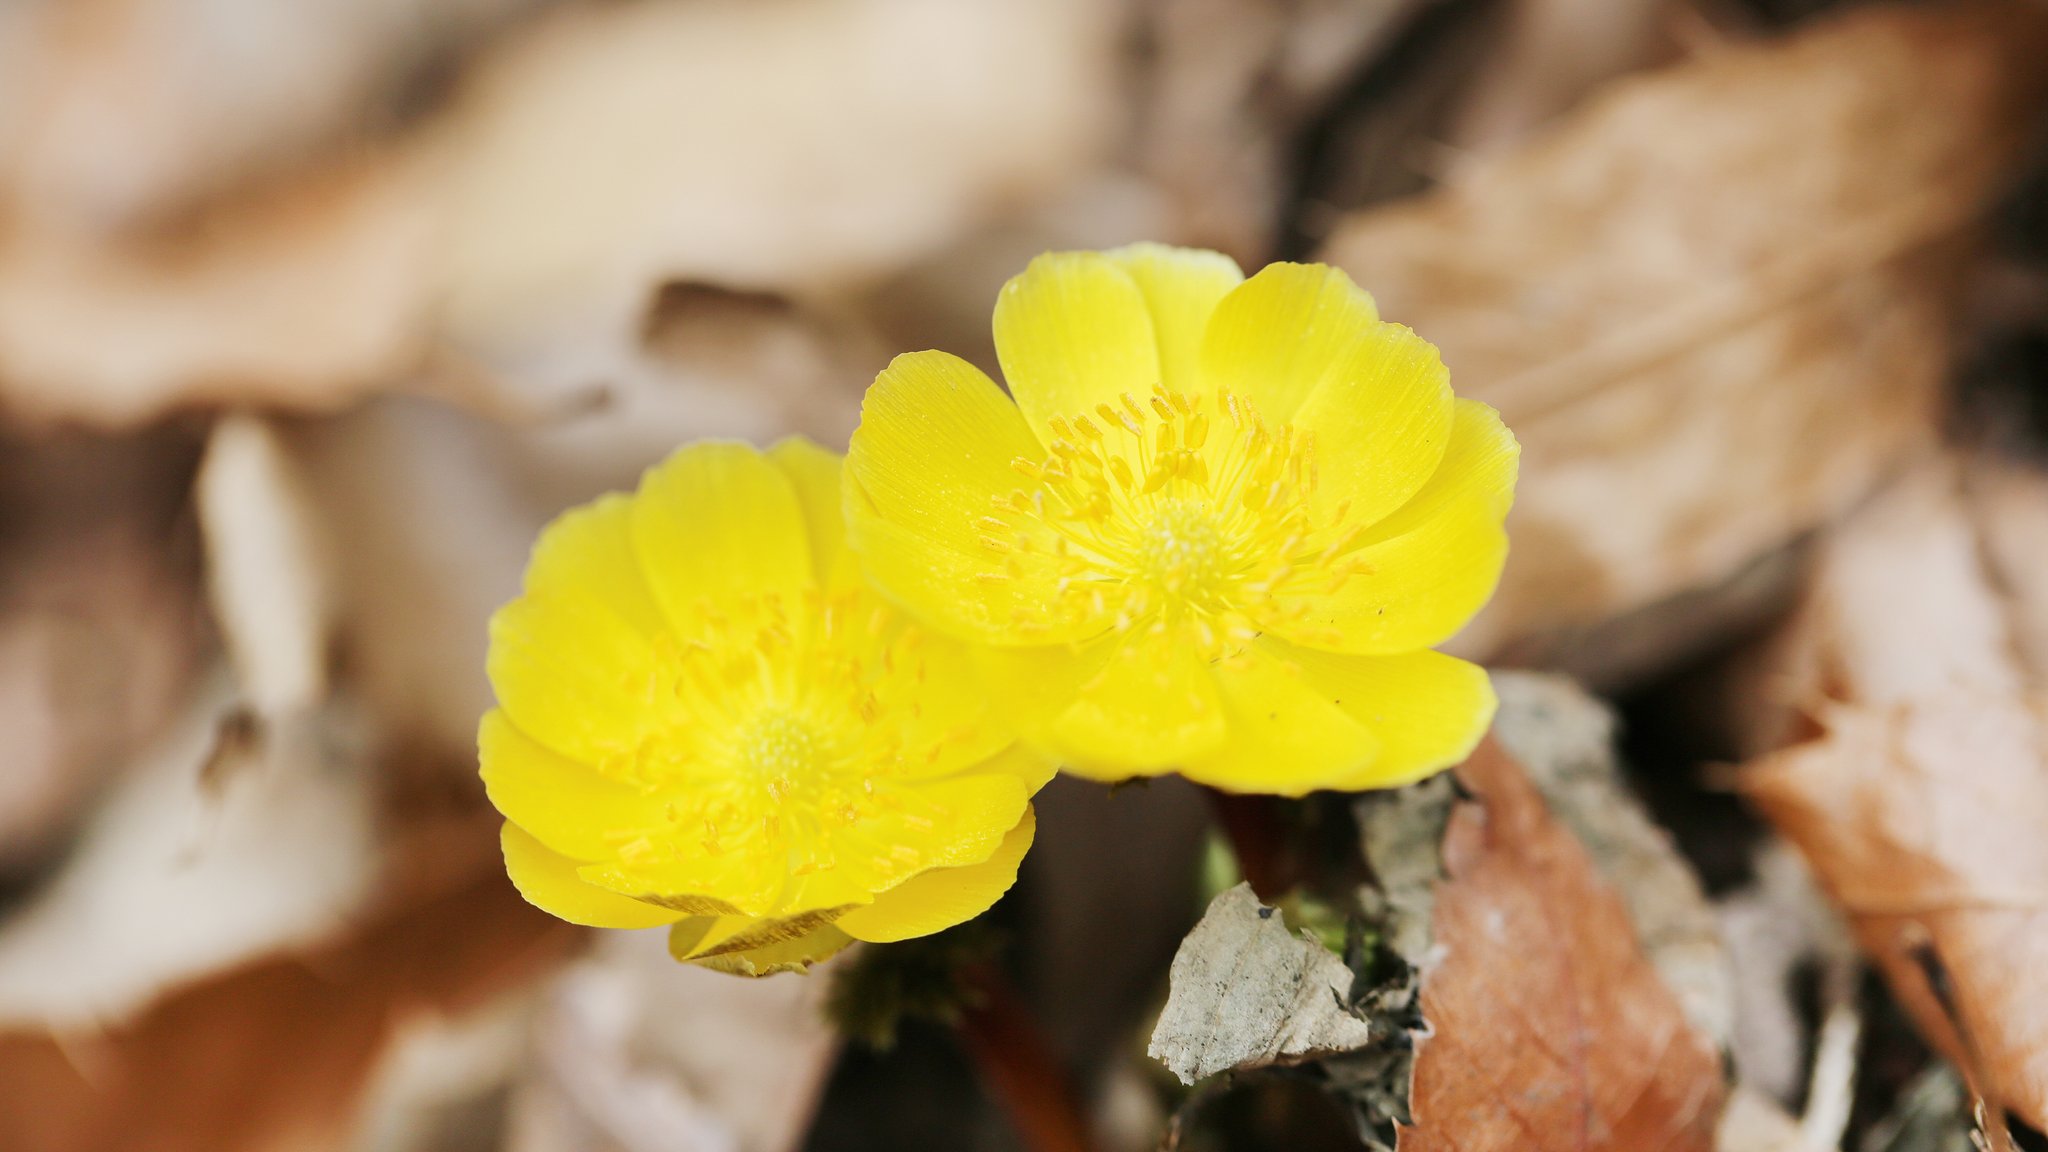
1898 605
1551 54
124 111
1712 306
101 622
1565 739
1550 1028
214 849
1921 787
517 240
303 297
1555 1011
604 154
1228 88
1924 820
2010 509
274 1057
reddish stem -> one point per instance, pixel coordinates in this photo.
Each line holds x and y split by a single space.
1259 837
1018 1067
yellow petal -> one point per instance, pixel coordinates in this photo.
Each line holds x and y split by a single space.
549 882
1072 331
747 873
932 901
1286 736
564 804
1036 685
1429 710
796 954
572 657
574 675
1428 567
931 456
1181 287
1033 768
587 553
1151 708
1283 333
951 721
718 522
814 473
946 823
1381 421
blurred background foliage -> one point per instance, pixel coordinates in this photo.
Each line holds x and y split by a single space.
313 311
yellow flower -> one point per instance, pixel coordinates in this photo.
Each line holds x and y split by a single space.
1217 531
705 720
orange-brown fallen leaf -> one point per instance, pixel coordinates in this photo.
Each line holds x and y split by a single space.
1550 1028
1918 785
1926 822
275 1055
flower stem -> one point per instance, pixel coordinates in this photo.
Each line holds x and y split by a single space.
1018 1068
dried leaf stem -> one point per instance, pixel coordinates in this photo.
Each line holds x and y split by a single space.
1018 1068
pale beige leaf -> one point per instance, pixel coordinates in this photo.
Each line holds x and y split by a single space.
266 572
1247 992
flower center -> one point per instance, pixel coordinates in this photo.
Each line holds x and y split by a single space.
1182 552
1152 512
781 750
775 730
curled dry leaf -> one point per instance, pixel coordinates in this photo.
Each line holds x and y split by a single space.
1921 786
265 570
1550 1028
1899 605
1737 268
1247 992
